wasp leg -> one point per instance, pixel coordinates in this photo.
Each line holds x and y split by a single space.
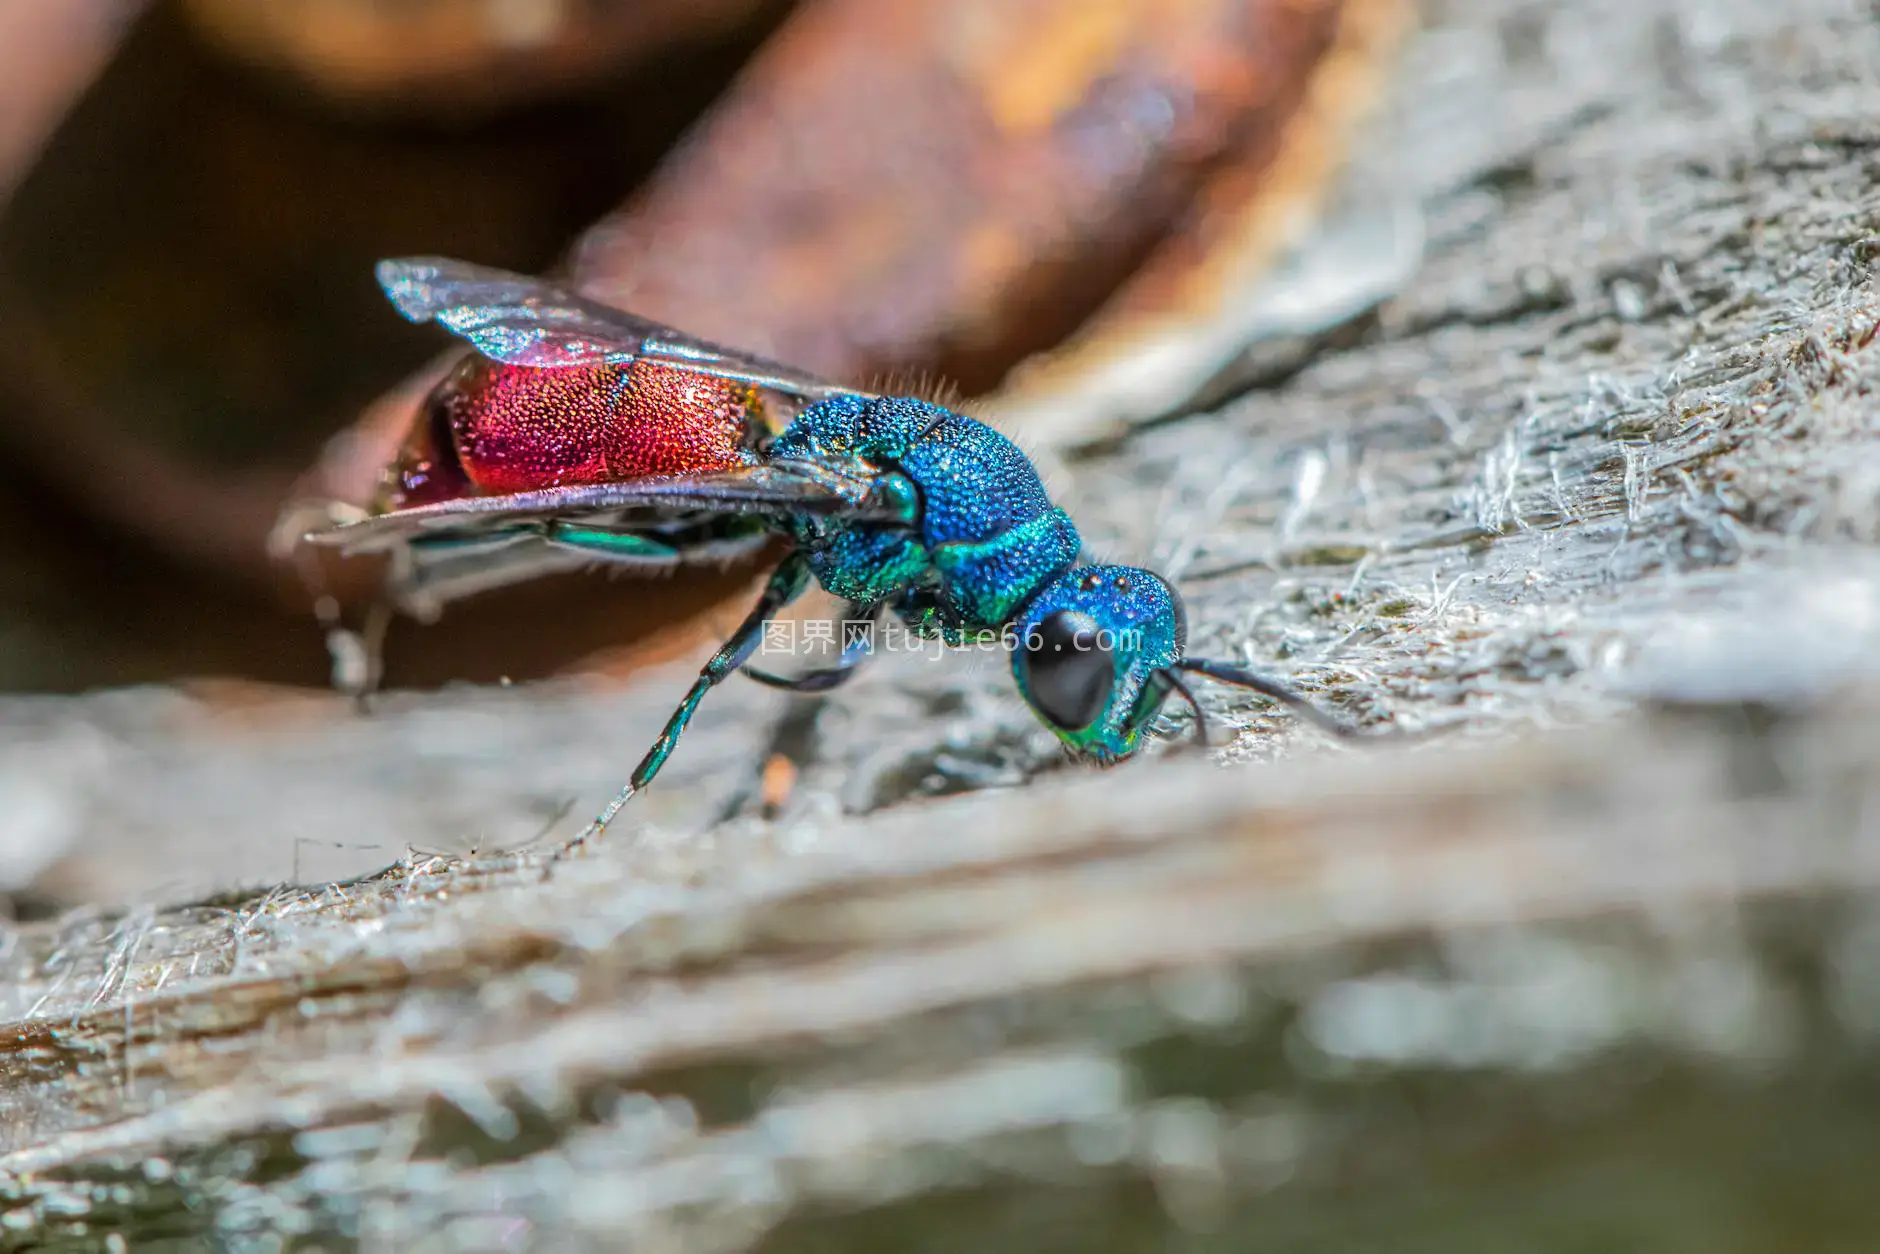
437 570
857 646
786 584
369 642
624 547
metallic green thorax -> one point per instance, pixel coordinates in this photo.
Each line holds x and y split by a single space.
978 537
980 549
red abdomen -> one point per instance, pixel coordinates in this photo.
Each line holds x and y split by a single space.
491 429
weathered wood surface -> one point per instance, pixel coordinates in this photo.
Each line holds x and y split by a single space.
1593 965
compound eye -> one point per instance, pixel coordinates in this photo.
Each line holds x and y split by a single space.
1068 670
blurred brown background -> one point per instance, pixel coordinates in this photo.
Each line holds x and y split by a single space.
914 191
186 277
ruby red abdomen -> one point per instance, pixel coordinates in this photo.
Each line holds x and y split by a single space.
491 429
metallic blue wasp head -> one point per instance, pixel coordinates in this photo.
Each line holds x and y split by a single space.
1094 655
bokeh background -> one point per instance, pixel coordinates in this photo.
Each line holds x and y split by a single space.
923 193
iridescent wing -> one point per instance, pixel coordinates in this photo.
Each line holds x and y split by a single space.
441 553
524 321
771 491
